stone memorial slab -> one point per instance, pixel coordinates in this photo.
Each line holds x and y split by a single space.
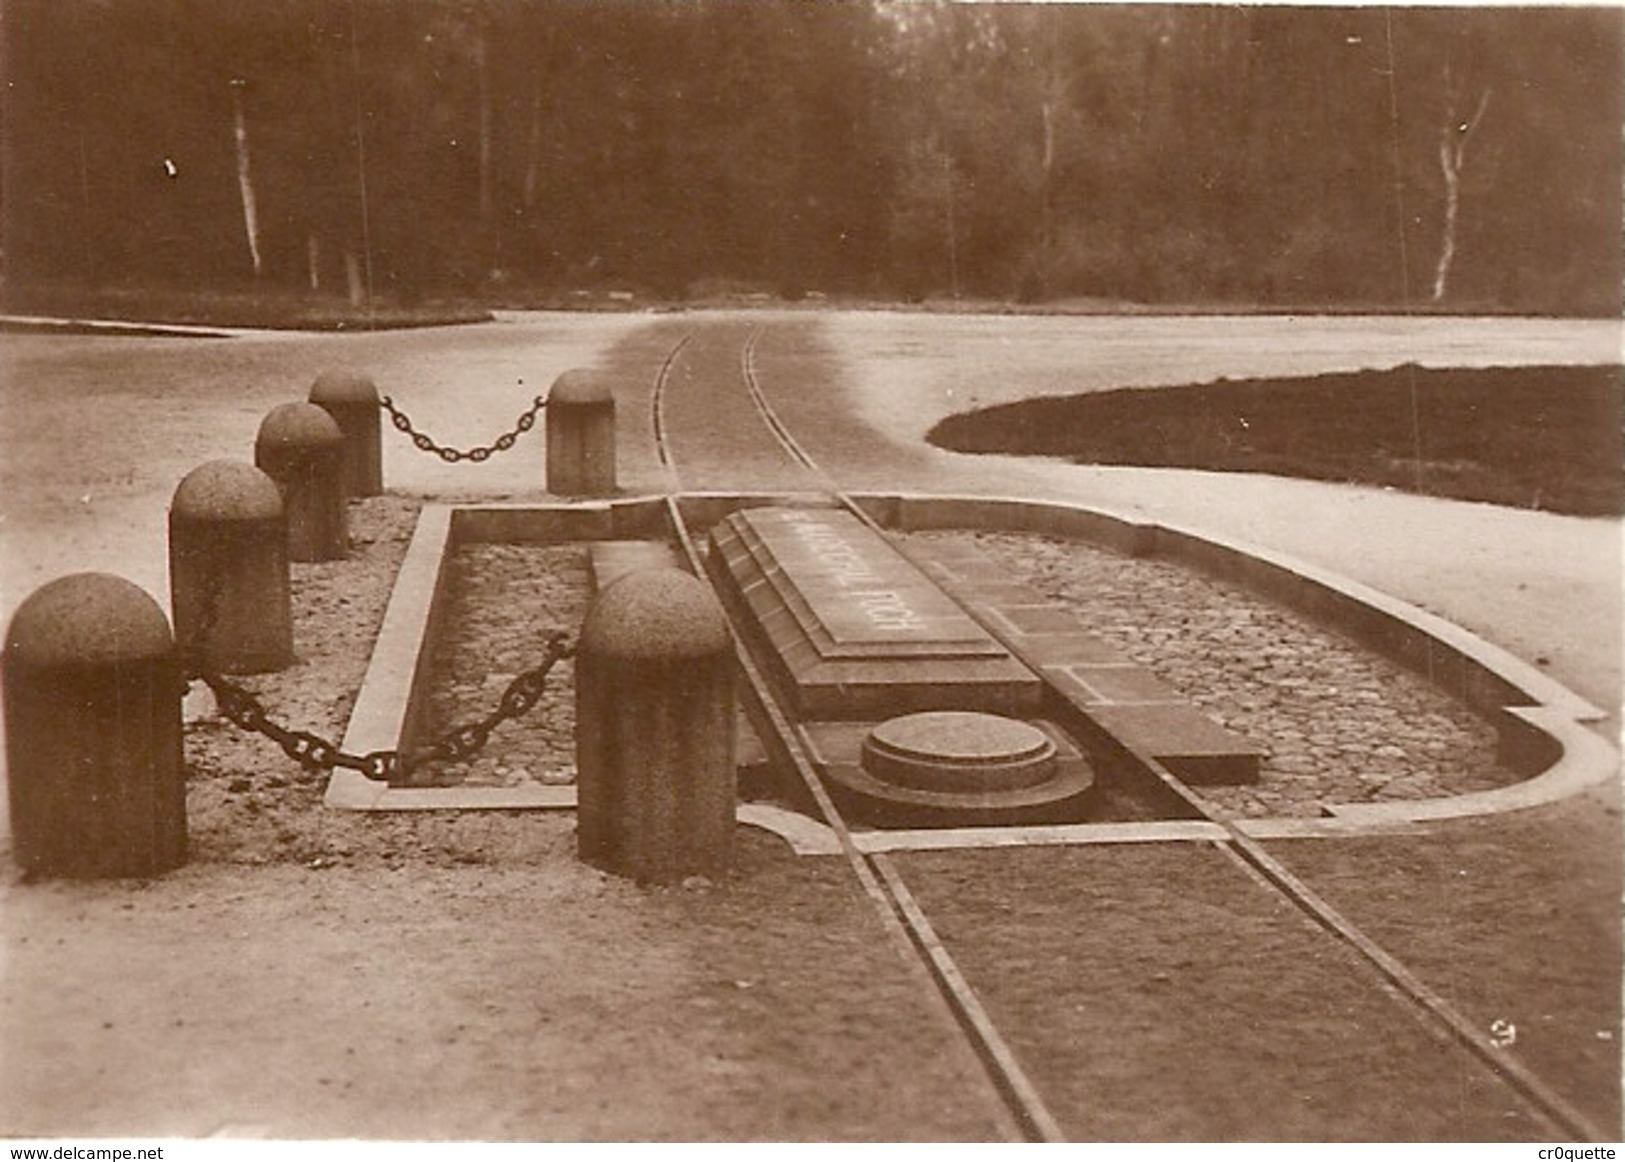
850 628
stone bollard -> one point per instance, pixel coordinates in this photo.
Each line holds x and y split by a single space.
228 570
300 447
352 401
655 749
581 435
93 731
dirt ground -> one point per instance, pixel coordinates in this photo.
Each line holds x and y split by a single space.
473 981
527 998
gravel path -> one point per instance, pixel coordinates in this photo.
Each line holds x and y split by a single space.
246 801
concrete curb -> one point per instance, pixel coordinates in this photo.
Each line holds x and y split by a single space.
385 715
27 323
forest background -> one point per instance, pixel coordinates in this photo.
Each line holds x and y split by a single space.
524 151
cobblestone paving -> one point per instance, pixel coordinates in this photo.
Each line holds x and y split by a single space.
1341 724
505 601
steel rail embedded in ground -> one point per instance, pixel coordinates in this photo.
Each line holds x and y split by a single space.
657 401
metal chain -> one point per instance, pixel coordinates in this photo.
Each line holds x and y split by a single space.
480 454
316 754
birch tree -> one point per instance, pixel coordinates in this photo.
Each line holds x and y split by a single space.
1454 137
245 176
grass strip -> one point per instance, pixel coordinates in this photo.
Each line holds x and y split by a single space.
1529 437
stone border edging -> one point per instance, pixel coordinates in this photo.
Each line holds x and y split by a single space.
386 708
1541 723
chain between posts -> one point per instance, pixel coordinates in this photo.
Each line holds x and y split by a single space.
316 754
478 455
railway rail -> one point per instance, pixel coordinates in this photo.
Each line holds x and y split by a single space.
907 921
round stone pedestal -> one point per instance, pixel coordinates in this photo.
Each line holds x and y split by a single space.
228 570
952 768
581 435
656 755
959 750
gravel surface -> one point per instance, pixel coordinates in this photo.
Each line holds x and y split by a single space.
1341 724
505 601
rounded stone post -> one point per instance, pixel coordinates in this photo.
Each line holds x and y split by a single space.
228 570
581 435
93 731
655 724
352 401
300 447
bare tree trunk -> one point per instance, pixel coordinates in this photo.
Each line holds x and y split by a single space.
90 235
1046 208
245 180
1452 158
953 227
313 260
1051 103
483 67
360 289
354 281
533 143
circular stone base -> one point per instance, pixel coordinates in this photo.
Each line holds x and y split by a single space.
953 769
959 751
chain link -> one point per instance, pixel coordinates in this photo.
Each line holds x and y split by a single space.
316 754
478 455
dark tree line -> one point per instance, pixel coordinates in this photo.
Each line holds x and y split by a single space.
1368 157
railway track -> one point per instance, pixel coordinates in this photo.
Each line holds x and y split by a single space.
760 427
707 437
657 402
